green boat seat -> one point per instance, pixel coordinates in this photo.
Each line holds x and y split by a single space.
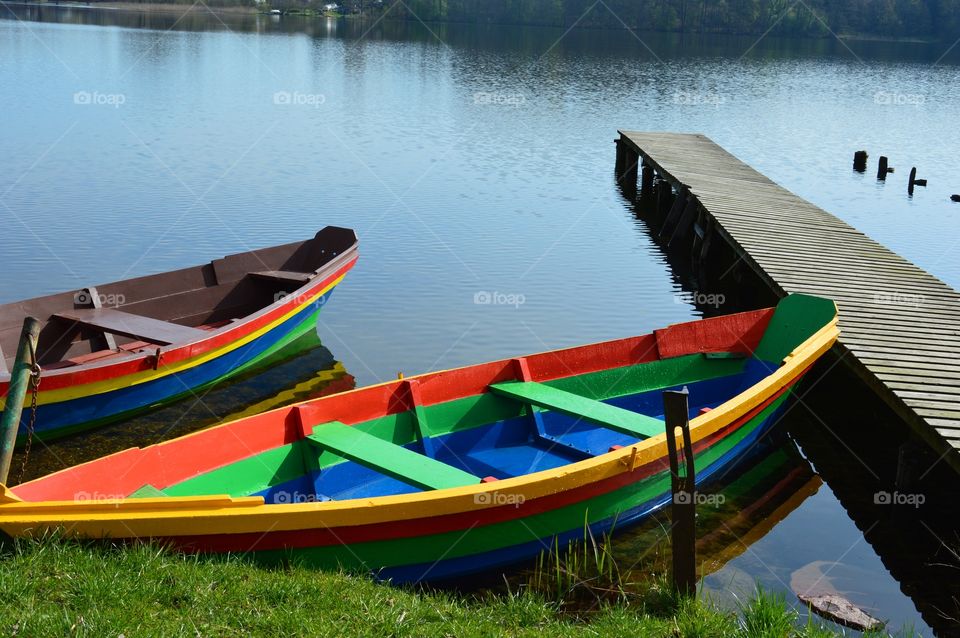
609 416
388 458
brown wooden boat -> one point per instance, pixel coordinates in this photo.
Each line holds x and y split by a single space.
109 351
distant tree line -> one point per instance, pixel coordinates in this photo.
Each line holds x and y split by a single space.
894 18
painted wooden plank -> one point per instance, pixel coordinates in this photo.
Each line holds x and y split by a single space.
388 458
133 326
610 416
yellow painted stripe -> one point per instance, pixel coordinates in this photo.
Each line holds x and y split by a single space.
99 387
126 518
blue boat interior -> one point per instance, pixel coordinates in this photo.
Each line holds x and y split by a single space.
498 450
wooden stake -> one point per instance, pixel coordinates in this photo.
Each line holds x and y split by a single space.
19 383
683 488
860 161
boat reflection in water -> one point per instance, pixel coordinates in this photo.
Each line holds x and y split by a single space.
302 370
736 511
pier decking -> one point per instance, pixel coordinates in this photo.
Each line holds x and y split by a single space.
900 326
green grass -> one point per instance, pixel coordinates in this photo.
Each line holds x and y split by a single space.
56 588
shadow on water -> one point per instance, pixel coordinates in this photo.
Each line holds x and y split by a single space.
899 496
305 369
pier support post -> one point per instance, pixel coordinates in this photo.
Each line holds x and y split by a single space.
664 191
679 203
683 486
627 160
19 382
686 220
646 184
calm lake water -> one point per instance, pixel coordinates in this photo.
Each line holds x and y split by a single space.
475 163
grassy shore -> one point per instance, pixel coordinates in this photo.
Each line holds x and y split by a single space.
56 588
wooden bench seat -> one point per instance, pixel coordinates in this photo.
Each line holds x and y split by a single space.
388 458
283 276
133 326
609 416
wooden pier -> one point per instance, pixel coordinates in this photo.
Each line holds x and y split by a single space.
900 326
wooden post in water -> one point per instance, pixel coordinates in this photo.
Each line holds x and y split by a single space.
684 510
19 382
882 168
646 185
860 161
664 200
628 167
914 181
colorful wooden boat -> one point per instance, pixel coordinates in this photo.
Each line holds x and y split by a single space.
449 472
108 352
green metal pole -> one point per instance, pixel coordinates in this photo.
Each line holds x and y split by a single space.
19 382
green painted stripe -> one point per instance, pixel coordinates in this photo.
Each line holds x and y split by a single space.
388 458
480 539
609 416
263 470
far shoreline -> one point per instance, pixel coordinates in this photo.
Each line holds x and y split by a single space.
183 9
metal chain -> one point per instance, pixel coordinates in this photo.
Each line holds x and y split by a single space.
31 424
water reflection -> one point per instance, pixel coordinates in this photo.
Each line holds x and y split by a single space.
303 370
523 42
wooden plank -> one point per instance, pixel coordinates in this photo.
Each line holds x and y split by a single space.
3 363
609 416
133 326
388 458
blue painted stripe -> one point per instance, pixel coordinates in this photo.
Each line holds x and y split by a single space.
123 402
507 556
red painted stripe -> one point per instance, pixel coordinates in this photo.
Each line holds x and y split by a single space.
741 332
67 377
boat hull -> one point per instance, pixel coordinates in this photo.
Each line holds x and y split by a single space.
87 410
519 530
